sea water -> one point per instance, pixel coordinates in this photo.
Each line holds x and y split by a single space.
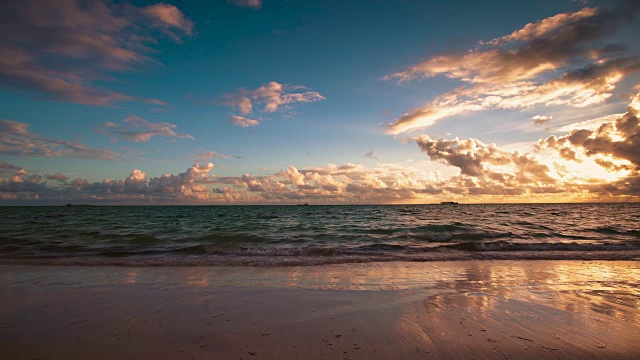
313 235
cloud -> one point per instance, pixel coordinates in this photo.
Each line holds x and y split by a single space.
6 167
591 124
138 187
196 185
538 48
22 182
370 155
169 18
17 140
616 140
208 155
487 170
522 177
137 129
5 196
57 177
512 72
547 26
183 185
541 119
242 121
60 49
584 165
467 155
254 4
269 98
487 162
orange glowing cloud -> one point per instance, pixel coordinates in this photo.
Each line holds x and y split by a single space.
507 72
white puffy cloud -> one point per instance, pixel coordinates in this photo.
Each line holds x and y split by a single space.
468 155
183 185
269 98
611 142
21 182
521 177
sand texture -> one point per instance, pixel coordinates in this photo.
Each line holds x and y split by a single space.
396 310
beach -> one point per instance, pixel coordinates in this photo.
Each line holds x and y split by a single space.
301 180
496 309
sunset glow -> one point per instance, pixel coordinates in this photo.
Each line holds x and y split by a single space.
288 102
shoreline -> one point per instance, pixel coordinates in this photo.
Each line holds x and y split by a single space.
279 260
457 309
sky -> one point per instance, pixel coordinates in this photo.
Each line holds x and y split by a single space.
320 102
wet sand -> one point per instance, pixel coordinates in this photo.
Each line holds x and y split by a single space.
398 310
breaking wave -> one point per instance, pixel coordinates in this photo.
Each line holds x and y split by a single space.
314 235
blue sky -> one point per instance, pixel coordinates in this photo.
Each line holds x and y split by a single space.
156 87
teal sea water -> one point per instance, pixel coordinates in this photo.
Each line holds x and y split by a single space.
313 235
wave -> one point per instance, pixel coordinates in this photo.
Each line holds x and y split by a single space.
608 230
385 249
206 254
458 236
532 247
304 234
298 260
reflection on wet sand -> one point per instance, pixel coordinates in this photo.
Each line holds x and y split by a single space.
608 288
131 278
531 310
479 309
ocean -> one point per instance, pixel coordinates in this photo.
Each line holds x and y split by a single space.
315 235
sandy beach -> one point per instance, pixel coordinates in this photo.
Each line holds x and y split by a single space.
432 310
